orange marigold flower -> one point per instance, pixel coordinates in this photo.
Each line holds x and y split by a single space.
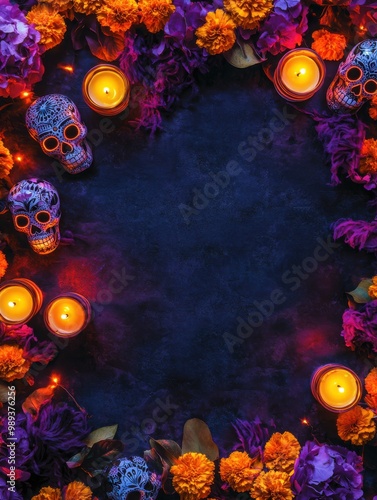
118 15
368 160
248 13
217 33
329 46
372 290
59 5
48 494
371 401
12 364
87 6
272 485
49 23
193 476
239 470
3 264
155 13
371 378
356 425
6 161
281 452
78 490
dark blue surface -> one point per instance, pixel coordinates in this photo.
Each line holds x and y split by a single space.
160 339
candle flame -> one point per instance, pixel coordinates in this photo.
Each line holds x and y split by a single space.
64 316
11 303
106 90
301 72
340 388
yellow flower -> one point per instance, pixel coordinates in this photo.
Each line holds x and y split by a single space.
248 13
155 13
59 5
87 6
3 264
118 15
371 378
237 470
281 452
6 161
356 425
329 46
368 160
12 364
217 33
272 485
373 108
49 23
78 491
48 494
193 476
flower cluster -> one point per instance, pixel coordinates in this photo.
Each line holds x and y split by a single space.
330 46
356 425
6 163
193 475
371 388
73 491
49 23
368 160
3 264
20 62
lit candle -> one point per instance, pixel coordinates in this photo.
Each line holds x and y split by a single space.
299 74
336 387
106 89
20 300
67 315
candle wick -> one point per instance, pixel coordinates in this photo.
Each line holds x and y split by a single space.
107 91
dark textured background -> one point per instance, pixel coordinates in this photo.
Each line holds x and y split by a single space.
162 335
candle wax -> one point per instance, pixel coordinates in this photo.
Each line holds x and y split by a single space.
16 303
66 315
300 74
338 388
106 89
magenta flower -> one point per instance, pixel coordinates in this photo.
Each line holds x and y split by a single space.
359 327
20 62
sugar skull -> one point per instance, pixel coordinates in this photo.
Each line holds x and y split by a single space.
356 79
54 121
130 478
35 208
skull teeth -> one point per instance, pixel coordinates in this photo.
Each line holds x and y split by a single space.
45 245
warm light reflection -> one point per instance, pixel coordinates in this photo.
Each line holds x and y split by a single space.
67 68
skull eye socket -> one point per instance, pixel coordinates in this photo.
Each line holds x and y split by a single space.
21 221
354 74
370 87
42 217
71 132
50 143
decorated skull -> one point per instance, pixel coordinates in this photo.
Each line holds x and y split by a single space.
54 121
130 478
356 79
35 208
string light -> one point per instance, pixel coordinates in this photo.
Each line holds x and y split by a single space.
56 383
67 68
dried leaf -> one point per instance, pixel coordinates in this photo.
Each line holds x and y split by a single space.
3 392
168 450
197 438
101 434
78 459
107 48
360 294
101 455
38 398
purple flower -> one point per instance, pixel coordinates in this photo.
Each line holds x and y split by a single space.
20 62
343 137
324 471
284 28
358 234
360 326
252 436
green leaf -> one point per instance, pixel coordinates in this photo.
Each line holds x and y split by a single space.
198 438
101 434
78 459
168 450
360 294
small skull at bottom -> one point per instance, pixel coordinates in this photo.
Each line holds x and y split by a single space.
54 121
131 478
35 208
356 80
